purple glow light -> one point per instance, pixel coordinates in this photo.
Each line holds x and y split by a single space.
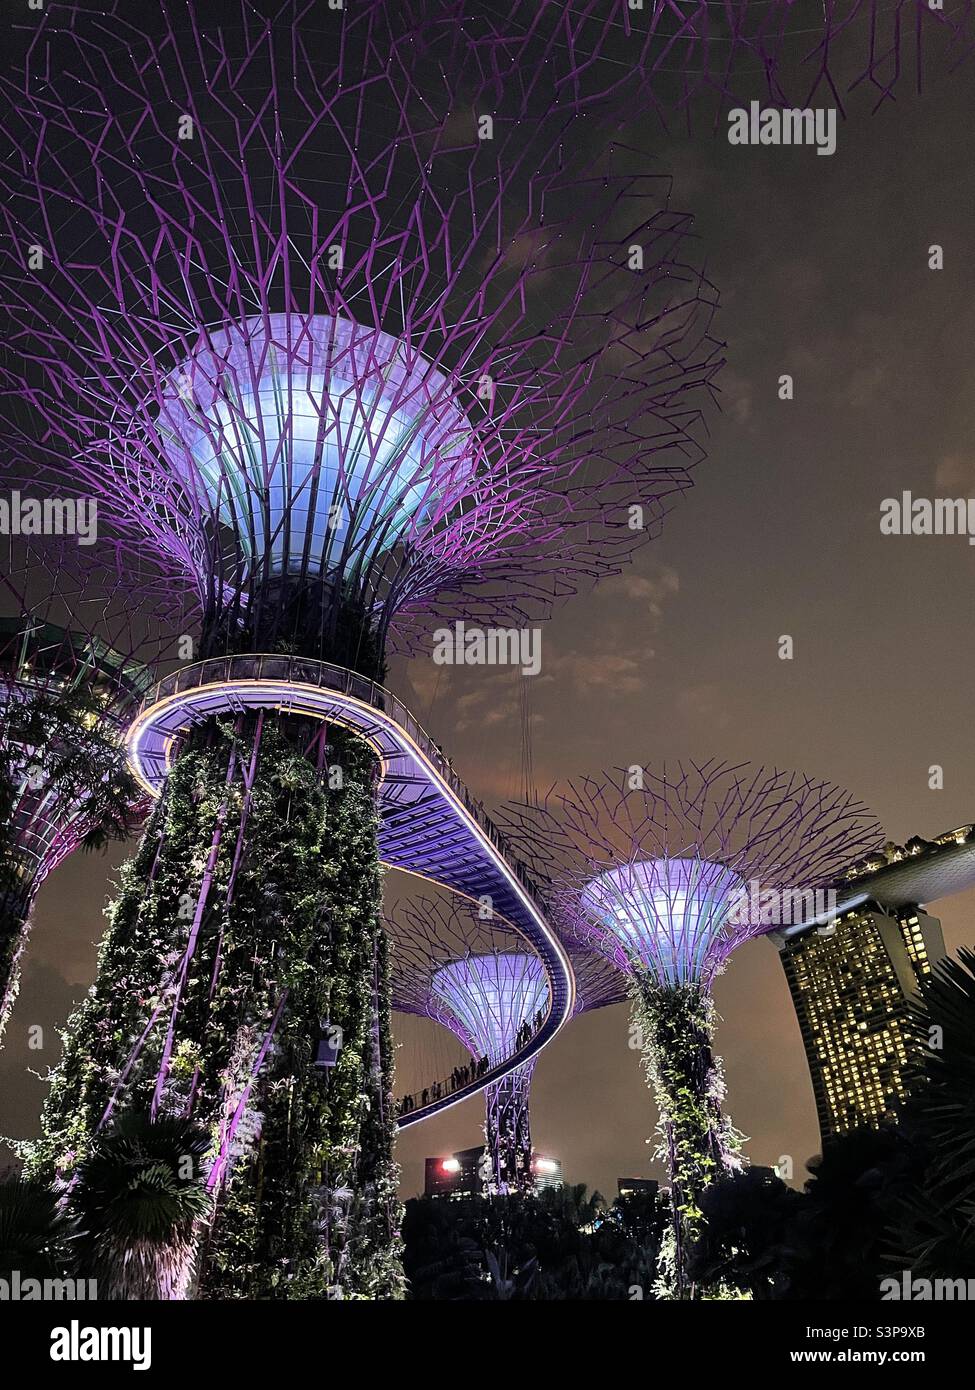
453 389
491 997
667 914
648 869
318 441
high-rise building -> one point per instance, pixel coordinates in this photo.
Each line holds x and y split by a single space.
629 1187
853 977
852 984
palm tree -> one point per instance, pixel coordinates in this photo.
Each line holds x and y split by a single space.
936 1226
35 1233
139 1198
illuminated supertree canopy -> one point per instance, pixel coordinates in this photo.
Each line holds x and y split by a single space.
664 873
66 694
482 981
491 997
345 350
347 353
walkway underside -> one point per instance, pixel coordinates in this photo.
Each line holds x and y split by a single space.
430 825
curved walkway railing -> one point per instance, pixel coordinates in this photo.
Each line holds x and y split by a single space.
430 825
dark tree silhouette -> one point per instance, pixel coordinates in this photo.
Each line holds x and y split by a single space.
561 1243
936 1221
36 1236
748 1235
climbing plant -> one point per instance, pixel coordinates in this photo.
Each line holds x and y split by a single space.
675 1024
62 771
246 928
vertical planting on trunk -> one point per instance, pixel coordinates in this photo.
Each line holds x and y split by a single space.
250 917
697 1143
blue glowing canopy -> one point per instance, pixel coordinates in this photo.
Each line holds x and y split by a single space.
321 443
669 916
489 997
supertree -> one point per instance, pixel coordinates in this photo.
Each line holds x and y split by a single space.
690 60
665 872
481 980
469 970
350 361
416 365
72 673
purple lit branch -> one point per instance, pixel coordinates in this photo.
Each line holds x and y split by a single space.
306 327
70 678
666 872
698 57
66 633
599 981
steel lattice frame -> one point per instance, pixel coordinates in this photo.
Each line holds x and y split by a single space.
691 57
483 981
72 674
618 856
665 872
231 336
599 982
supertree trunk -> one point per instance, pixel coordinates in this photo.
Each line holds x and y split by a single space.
249 918
15 919
311 1209
508 1132
676 1028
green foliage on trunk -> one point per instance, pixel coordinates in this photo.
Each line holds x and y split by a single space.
676 1025
280 882
61 739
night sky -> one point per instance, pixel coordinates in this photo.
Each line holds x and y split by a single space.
822 269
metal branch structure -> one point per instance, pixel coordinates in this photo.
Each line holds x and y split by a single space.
599 982
349 357
664 873
66 696
687 59
348 354
482 980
